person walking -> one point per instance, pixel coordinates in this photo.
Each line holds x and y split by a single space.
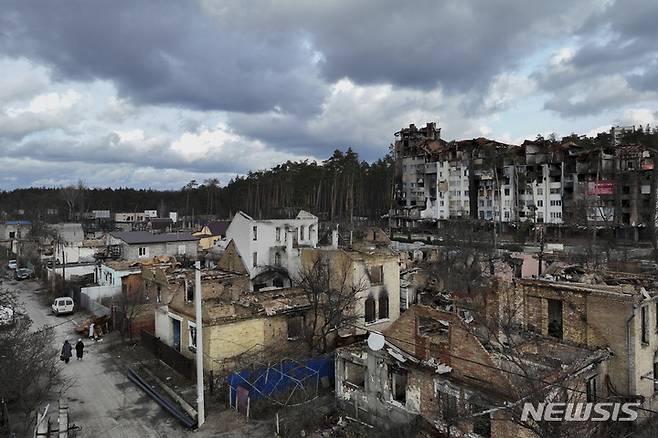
79 349
66 351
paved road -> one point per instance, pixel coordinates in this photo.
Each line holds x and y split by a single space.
101 399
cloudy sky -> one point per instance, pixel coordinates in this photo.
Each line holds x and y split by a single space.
156 93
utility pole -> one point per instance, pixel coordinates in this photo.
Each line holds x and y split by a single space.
199 344
53 272
541 250
64 268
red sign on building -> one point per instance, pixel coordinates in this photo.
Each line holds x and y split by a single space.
601 188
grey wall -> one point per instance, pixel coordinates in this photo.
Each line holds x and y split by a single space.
131 252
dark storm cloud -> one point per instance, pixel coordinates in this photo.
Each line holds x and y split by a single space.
456 44
164 53
263 55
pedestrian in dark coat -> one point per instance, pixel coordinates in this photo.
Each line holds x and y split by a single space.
66 351
79 349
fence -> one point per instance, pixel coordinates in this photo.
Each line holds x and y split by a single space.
93 306
172 357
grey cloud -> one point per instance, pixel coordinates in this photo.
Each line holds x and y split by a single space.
619 41
164 53
455 44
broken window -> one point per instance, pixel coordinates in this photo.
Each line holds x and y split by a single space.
158 297
645 324
277 259
295 327
255 232
191 341
429 327
189 291
254 259
482 423
370 309
383 305
590 389
448 406
555 318
655 376
355 374
398 380
376 274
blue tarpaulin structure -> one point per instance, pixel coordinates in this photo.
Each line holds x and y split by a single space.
281 381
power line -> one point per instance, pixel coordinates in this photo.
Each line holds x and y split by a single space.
493 366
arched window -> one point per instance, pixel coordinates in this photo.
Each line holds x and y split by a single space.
383 305
370 309
277 259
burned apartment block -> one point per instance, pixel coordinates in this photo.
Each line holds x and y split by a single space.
575 181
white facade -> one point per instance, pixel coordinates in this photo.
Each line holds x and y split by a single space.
273 242
137 216
547 199
451 189
108 275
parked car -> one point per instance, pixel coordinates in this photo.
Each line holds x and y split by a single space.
63 305
12 264
23 273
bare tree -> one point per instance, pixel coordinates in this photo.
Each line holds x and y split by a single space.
31 369
333 296
535 376
464 262
74 196
131 303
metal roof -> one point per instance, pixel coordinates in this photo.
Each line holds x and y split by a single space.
134 237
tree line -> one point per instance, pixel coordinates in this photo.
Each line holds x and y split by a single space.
339 188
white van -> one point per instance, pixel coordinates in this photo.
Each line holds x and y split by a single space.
62 305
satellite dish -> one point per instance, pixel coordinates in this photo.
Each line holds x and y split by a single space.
376 341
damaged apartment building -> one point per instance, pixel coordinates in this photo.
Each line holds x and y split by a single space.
437 373
573 181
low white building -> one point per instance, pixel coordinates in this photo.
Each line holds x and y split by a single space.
133 245
271 245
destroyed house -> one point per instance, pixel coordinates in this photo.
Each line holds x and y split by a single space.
432 366
269 248
598 309
372 272
237 323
